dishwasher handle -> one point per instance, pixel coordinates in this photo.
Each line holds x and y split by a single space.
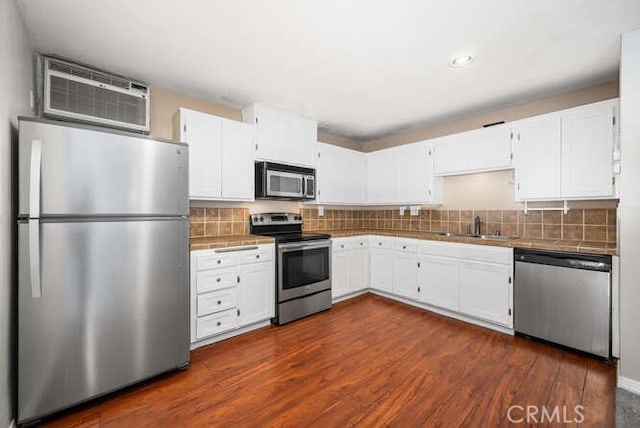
592 262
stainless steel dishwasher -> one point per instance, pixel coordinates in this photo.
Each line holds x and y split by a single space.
564 298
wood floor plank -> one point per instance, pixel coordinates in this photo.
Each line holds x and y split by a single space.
369 361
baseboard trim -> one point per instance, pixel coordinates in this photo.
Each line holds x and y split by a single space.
229 334
628 384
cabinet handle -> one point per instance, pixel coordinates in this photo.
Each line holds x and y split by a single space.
418 264
218 323
219 261
404 247
380 243
257 256
238 279
219 302
418 289
341 245
238 311
218 279
361 244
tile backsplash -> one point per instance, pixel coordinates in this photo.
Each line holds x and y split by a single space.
214 222
578 224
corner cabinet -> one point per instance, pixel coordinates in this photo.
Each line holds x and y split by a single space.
282 136
341 175
232 291
567 154
221 156
349 266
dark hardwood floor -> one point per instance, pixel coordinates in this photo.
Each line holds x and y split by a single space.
367 362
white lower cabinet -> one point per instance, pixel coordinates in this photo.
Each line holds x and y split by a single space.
405 274
438 281
349 266
257 292
231 288
485 291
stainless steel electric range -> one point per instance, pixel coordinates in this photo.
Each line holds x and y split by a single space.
303 265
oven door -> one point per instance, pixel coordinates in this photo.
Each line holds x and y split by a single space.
303 268
284 184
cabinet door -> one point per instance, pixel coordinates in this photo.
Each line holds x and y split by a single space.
435 188
274 134
438 281
412 173
303 144
485 291
238 155
587 152
340 274
329 174
358 270
405 275
450 156
381 177
537 150
488 148
257 292
382 270
203 133
354 174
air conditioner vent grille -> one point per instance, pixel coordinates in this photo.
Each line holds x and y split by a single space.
76 97
88 74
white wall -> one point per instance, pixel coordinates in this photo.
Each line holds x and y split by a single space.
629 211
15 83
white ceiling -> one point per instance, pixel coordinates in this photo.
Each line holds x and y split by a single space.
362 68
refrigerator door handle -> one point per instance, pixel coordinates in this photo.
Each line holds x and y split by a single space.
34 257
34 179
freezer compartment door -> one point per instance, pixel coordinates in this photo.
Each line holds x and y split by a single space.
113 309
571 307
83 172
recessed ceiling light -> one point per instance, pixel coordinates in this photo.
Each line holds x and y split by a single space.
460 60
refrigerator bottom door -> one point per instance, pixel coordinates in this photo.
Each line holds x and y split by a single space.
113 310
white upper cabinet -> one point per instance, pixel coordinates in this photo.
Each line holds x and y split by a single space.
381 176
341 175
486 149
403 175
283 137
537 151
566 155
221 155
238 154
587 151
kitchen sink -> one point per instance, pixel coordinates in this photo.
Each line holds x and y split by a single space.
485 237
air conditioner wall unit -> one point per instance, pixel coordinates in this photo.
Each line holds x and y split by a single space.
77 92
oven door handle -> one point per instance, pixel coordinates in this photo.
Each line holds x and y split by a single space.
304 246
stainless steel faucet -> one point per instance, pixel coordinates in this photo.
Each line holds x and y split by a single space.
477 226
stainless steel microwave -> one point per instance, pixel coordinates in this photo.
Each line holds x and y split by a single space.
279 181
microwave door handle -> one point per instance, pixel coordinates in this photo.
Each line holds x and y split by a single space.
304 186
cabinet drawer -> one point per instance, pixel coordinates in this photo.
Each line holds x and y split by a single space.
216 323
212 260
255 256
340 244
381 242
406 246
216 279
217 301
488 254
359 242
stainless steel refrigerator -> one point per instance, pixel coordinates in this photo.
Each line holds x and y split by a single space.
103 293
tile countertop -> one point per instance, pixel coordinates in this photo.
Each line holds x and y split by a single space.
609 248
208 243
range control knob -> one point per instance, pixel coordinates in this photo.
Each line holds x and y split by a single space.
297 217
261 218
